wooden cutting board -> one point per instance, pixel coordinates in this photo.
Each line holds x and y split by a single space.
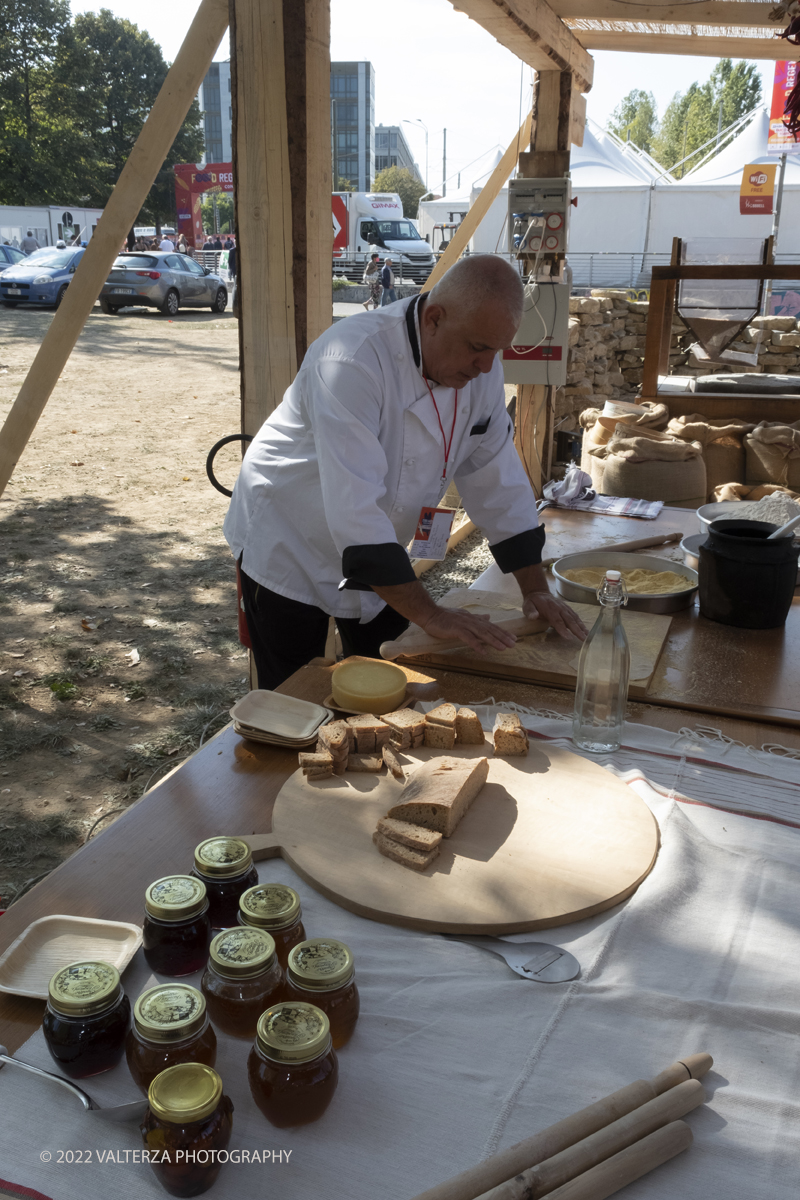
551 839
546 657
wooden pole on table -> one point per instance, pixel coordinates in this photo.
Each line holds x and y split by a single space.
534 1150
617 1172
138 176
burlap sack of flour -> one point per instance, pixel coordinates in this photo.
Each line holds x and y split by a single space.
749 492
648 465
599 427
773 454
723 445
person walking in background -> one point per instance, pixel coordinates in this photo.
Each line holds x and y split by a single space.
28 243
166 244
372 278
387 279
182 246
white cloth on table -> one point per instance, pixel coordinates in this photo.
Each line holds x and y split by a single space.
454 1057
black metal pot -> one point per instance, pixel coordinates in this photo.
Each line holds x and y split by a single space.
745 579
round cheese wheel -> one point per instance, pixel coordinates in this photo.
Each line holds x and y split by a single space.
368 687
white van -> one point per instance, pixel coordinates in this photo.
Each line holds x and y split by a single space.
364 222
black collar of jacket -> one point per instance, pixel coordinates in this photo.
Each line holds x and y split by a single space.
412 330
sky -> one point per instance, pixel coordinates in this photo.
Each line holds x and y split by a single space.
435 65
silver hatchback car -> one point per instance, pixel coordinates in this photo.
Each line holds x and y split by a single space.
166 281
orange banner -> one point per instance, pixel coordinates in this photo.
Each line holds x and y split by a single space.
758 189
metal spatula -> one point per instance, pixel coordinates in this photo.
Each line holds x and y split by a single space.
538 961
119 1112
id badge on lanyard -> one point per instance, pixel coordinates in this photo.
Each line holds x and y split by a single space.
433 532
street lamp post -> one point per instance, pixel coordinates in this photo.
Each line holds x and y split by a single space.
417 121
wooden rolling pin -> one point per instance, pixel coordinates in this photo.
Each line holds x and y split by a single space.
416 641
617 1172
574 1161
661 539
534 1150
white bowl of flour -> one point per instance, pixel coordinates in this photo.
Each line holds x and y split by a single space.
777 509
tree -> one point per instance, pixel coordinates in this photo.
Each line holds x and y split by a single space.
634 119
405 183
694 117
344 185
225 210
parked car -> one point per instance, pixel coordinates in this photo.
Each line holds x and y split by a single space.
9 255
42 278
166 281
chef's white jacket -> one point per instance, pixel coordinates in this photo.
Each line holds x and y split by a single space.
333 483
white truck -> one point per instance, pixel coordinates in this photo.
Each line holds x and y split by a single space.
364 222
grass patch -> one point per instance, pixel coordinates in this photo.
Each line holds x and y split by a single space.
62 687
104 721
135 691
17 738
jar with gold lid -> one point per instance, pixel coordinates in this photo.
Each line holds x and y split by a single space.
170 1026
86 1018
242 979
187 1128
225 866
321 971
292 1069
276 908
176 930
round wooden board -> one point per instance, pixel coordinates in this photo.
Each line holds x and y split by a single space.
550 839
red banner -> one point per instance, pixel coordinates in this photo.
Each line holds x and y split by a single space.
780 141
191 183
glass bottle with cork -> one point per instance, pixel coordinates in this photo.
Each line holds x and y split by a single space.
292 1068
170 1026
275 908
188 1123
225 866
243 979
601 693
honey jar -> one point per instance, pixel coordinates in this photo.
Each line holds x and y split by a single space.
276 908
225 866
242 979
176 930
186 1127
170 1026
86 1018
292 1068
321 971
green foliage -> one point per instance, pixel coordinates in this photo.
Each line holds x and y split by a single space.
344 185
73 99
405 183
693 117
634 119
225 210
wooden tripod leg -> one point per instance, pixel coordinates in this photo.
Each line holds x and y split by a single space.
138 175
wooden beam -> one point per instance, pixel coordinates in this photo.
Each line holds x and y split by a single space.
479 209
531 30
263 199
718 46
319 228
712 12
137 177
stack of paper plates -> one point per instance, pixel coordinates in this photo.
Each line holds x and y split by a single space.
278 720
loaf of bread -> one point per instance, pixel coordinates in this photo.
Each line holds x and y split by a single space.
407 727
364 762
370 732
440 737
510 738
415 836
445 714
418 860
393 762
440 792
469 731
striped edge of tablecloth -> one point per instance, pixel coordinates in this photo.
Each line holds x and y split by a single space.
15 1191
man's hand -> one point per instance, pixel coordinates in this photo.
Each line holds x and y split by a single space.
476 631
564 620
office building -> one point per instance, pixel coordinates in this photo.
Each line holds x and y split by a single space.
392 150
353 123
215 105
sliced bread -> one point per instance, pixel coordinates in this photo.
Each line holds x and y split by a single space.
407 727
415 836
510 739
370 732
469 731
393 762
440 792
445 714
317 761
418 860
337 738
440 737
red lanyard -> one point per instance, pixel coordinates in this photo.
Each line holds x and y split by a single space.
447 444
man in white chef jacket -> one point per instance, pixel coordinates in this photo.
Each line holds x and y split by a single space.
387 409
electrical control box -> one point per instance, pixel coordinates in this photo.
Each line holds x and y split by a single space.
538 353
538 215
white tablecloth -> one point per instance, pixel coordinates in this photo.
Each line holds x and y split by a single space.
454 1056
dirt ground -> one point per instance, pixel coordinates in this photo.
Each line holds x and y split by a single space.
119 648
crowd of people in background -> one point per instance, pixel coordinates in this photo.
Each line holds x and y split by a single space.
168 242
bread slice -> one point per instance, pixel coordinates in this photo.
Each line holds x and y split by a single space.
318 772
510 739
415 836
469 731
393 762
445 714
315 761
370 732
440 737
337 738
440 792
364 762
418 860
407 727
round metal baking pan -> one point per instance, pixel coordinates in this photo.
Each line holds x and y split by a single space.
620 561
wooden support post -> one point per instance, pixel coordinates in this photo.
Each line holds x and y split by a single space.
138 175
319 185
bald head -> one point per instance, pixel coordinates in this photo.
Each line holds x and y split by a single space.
479 279
471 314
